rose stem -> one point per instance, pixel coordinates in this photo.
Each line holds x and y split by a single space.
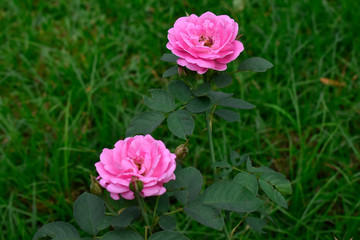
155 209
141 203
234 229
211 145
212 154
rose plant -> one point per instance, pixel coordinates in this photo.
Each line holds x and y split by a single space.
143 168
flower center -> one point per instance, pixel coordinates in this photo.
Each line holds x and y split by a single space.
138 163
208 41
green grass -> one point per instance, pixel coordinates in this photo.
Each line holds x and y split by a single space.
72 74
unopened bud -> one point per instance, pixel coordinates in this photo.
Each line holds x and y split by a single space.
181 71
95 187
136 185
181 151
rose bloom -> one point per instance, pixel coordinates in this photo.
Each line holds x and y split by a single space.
205 42
136 158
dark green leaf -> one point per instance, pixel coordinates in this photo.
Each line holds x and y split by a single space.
126 217
235 103
279 181
171 71
169 57
181 123
222 80
202 90
145 123
272 193
188 182
199 104
160 101
122 235
105 222
276 179
228 115
232 197
256 64
247 180
167 222
168 235
205 214
58 231
227 168
89 210
256 224
234 155
215 97
164 204
179 90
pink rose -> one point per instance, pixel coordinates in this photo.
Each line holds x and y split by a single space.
204 42
139 157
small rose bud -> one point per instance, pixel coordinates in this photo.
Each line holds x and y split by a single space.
181 151
95 187
136 185
181 71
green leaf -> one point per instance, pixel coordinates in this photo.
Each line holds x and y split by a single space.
89 210
189 182
169 57
247 180
256 224
205 214
228 115
105 222
272 193
222 80
168 235
215 97
171 71
198 104
160 101
167 222
225 166
276 179
232 197
181 123
164 203
126 217
202 90
122 235
235 103
234 155
256 64
179 90
279 181
145 123
58 231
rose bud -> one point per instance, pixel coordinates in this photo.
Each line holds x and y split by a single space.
136 185
95 187
181 151
181 71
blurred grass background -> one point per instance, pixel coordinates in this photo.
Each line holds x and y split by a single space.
72 75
